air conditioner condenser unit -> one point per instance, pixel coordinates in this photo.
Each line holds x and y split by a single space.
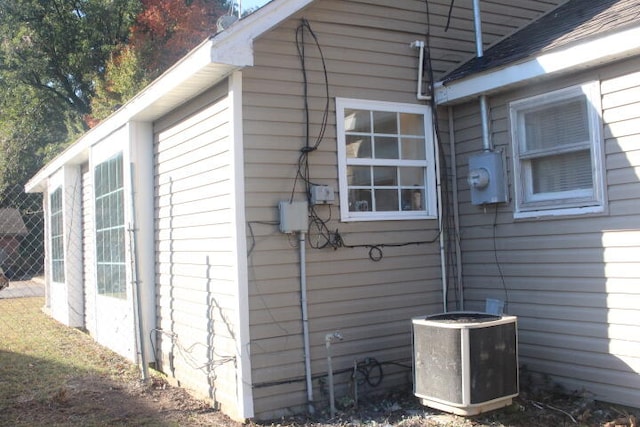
465 362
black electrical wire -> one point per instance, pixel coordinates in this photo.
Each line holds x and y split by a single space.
495 254
446 28
448 223
303 159
375 250
371 371
252 235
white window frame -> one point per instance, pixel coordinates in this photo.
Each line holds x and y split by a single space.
56 235
121 292
575 202
430 210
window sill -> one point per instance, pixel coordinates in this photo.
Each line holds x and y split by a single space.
387 217
559 212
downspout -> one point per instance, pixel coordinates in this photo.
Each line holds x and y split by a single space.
135 285
484 103
305 321
456 212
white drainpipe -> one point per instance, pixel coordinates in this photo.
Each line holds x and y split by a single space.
484 103
419 44
305 321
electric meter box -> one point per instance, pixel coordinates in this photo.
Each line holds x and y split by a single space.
486 179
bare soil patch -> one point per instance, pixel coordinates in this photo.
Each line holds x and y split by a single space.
57 376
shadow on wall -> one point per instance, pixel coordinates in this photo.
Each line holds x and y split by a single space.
572 281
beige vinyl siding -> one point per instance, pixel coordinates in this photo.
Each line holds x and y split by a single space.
195 279
88 250
367 53
572 281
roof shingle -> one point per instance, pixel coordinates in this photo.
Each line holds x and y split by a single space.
570 23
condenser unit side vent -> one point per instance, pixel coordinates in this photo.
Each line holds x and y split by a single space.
465 363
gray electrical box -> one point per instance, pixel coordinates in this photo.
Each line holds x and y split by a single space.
294 216
486 179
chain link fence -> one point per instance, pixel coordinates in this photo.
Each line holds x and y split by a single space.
21 244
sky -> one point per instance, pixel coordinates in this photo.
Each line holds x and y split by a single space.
250 4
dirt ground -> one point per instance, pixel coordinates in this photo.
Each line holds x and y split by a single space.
105 390
100 401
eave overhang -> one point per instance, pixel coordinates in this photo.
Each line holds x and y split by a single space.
562 61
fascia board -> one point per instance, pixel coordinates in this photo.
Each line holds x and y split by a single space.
562 61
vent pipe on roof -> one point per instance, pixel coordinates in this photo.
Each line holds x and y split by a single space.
484 103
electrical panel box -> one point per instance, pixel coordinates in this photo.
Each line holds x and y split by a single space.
322 195
294 216
487 182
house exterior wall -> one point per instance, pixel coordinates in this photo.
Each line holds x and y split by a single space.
572 281
66 297
196 277
368 56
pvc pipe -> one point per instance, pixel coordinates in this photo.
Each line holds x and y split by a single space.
328 339
419 44
135 283
477 25
305 321
484 115
484 104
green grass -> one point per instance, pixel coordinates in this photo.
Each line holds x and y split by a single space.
39 355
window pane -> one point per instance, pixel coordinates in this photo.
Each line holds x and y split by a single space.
413 149
357 121
385 175
564 172
557 125
386 147
412 177
360 201
110 238
384 158
57 236
386 200
359 175
358 147
412 200
385 122
412 124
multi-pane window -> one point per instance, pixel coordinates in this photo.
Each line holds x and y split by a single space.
57 236
110 230
557 152
386 160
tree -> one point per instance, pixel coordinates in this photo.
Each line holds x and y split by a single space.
164 31
29 128
58 46
50 52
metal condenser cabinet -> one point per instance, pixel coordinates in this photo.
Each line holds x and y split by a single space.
465 363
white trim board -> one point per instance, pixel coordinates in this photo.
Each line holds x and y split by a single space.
588 54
